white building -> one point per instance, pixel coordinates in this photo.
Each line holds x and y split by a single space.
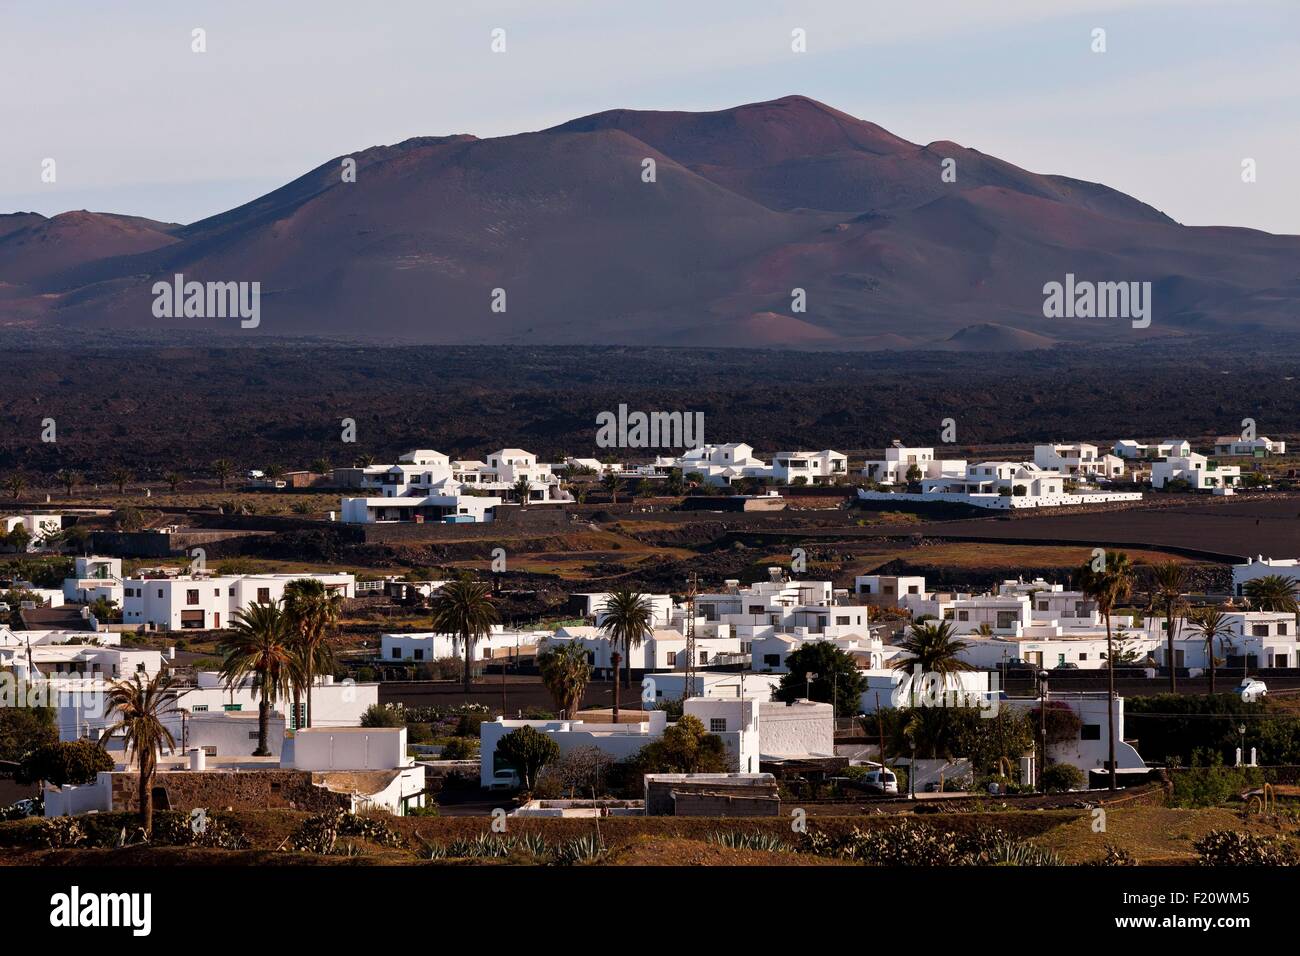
1131 450
1200 472
809 467
1262 567
38 526
449 506
1078 460
1254 447
94 578
210 601
429 646
900 459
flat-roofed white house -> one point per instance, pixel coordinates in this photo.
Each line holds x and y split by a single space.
94 578
38 526
448 505
1079 460
900 459
1202 473
210 601
422 646
809 467
1260 447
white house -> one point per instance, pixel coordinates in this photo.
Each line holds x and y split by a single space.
1130 449
809 467
448 506
1254 447
900 459
1262 567
1078 460
210 601
1200 472
429 646
38 526
94 578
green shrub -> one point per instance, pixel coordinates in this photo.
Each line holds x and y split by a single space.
1235 848
1060 777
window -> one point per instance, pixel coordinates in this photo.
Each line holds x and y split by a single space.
1090 732
192 596
1044 606
913 589
199 709
771 660
1007 619
717 725
670 658
231 708
1281 628
704 657
841 619
963 615
419 654
1259 630
1083 656
263 595
252 735
397 653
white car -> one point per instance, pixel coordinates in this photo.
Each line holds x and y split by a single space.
881 781
1252 690
505 780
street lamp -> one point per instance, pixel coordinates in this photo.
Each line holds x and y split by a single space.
1241 751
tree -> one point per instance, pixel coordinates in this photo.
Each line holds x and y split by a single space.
119 477
67 762
566 673
16 484
520 489
24 728
1212 625
1169 580
104 609
612 483
464 609
1272 592
222 468
320 466
141 707
173 479
313 611
934 648
528 751
1108 581
628 618
68 480
260 647
684 747
380 715
835 679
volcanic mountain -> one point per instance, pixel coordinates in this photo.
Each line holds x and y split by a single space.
777 224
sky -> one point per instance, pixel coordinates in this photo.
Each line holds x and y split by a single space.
139 123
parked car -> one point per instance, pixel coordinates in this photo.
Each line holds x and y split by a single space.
880 781
1252 689
1067 666
505 780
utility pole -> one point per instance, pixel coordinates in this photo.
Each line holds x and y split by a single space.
880 729
688 690
1042 727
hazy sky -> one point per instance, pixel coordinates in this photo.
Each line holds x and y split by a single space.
139 124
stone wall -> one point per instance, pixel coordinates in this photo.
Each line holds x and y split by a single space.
240 790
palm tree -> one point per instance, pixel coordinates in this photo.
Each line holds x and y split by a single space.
613 484
223 469
628 616
464 609
173 479
1273 592
1168 581
320 466
935 648
566 673
16 484
260 647
313 611
119 477
140 707
1212 625
520 488
363 461
68 480
1109 585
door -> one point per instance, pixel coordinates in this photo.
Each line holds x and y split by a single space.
216 619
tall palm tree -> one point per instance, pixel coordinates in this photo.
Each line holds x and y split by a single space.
1108 586
140 707
935 647
68 480
260 647
1273 592
313 611
628 618
520 489
223 469
566 673
612 483
1212 625
464 609
119 477
1168 581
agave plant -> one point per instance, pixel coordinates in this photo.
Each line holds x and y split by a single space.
752 840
